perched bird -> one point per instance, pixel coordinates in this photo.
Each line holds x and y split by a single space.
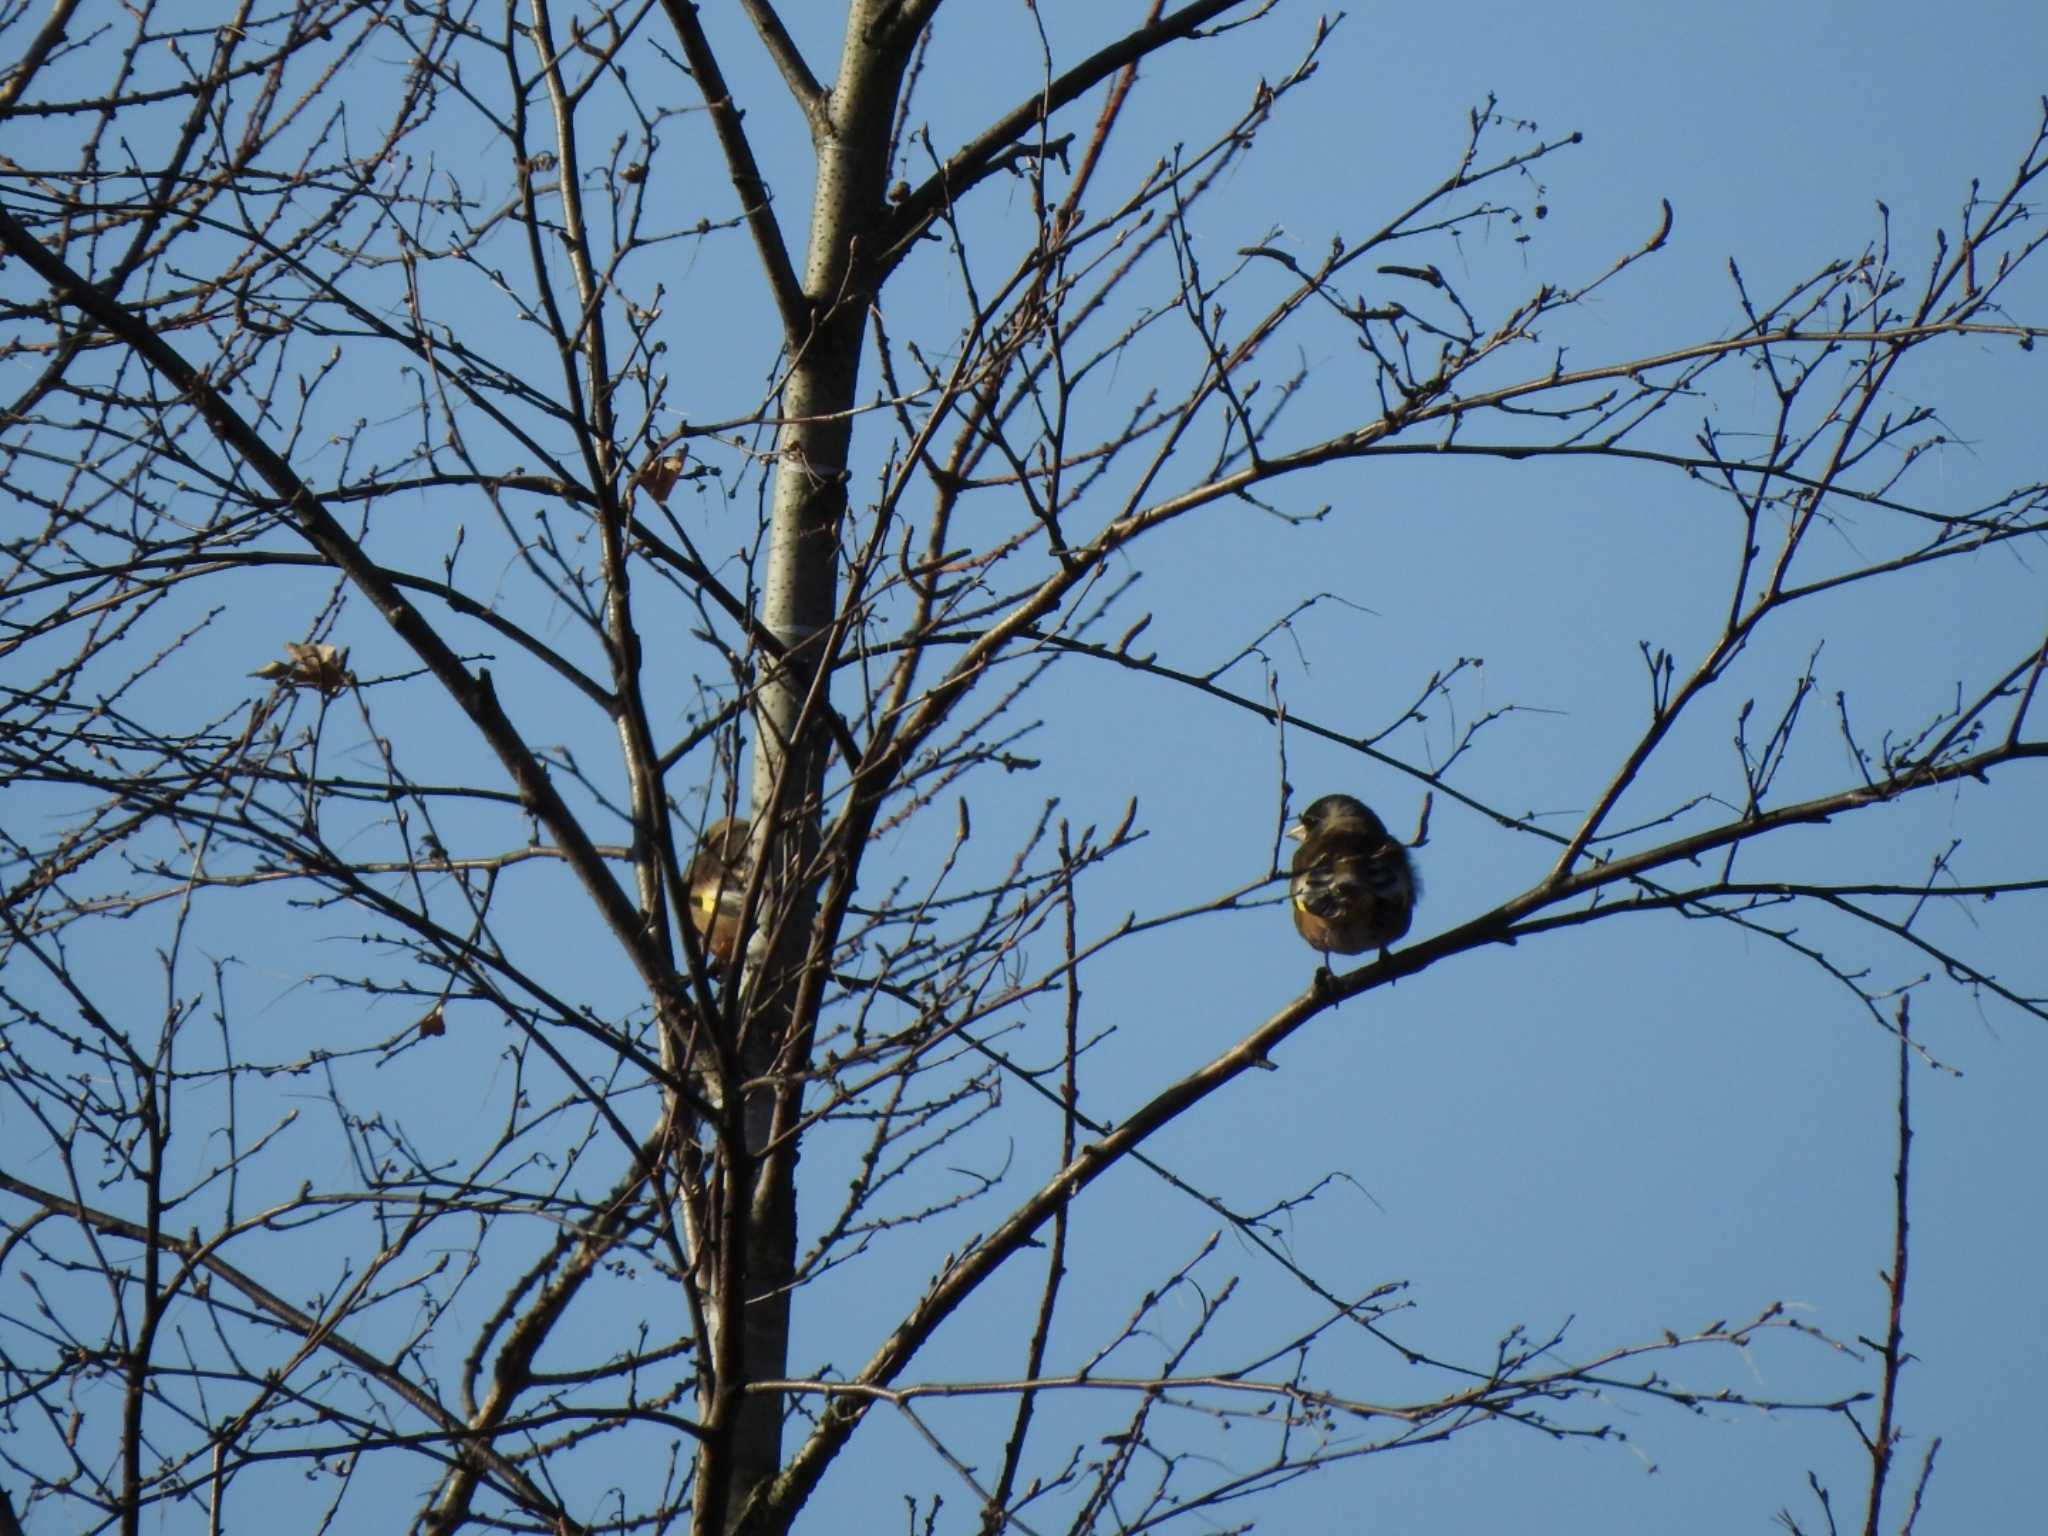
1352 886
718 887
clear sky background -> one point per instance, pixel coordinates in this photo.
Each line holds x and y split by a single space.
1639 1125
1643 1125
1648 1124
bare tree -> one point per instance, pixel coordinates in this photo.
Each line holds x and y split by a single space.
534 564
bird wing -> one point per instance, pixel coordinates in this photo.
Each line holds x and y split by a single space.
1335 873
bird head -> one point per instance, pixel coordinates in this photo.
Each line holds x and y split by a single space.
1334 810
727 839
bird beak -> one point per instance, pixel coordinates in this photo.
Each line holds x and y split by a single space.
1298 832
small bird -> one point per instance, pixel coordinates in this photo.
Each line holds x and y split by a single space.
718 878
1352 886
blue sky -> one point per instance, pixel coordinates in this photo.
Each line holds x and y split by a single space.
1650 1123
1642 1124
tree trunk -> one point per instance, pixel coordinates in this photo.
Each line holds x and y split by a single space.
798 605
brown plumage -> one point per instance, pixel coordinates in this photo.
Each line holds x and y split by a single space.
1352 886
718 888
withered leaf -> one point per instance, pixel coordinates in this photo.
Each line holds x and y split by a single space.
659 476
320 665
